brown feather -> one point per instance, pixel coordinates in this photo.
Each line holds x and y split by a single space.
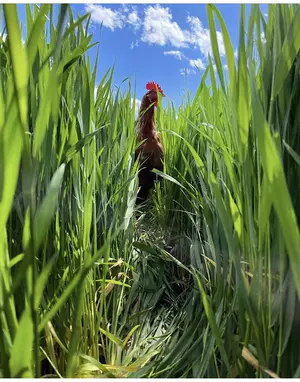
151 152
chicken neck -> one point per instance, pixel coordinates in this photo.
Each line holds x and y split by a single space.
146 125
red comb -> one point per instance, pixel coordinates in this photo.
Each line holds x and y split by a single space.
154 86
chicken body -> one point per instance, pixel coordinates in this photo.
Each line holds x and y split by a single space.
151 152
151 157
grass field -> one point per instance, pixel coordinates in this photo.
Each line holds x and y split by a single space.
205 283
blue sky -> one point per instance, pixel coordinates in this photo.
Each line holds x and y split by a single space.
157 42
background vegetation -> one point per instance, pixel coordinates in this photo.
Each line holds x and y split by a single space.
205 282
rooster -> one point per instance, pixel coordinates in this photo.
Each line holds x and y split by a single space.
150 152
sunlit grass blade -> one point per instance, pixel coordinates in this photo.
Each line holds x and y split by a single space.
45 212
19 61
275 176
20 363
215 45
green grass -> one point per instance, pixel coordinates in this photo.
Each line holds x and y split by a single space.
205 282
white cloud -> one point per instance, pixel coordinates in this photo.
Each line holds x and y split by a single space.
187 71
236 54
110 19
198 63
95 92
176 53
198 35
113 19
225 67
125 8
160 29
134 20
134 44
263 38
137 106
265 14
